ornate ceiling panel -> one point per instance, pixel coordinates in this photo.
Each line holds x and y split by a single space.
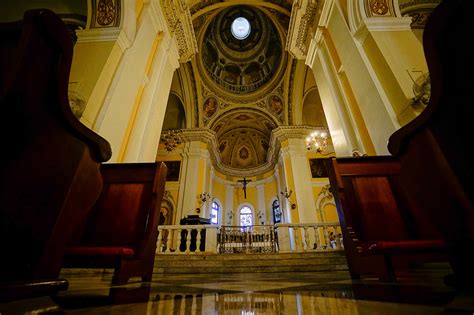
243 137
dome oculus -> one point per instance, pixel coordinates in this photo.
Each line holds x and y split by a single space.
240 28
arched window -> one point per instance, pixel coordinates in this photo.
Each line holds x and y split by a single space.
245 216
276 212
215 213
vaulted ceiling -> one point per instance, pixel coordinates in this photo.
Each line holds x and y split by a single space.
240 85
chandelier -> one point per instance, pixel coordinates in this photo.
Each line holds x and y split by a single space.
171 139
318 140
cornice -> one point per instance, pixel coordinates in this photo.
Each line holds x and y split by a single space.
302 16
278 135
180 25
98 35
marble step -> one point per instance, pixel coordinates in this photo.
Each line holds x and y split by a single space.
250 263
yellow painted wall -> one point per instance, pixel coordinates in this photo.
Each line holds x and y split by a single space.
218 192
88 61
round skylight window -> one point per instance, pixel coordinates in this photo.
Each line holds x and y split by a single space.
240 28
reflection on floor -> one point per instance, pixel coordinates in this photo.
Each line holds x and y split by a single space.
289 293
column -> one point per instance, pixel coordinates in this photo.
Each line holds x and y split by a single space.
229 205
194 173
261 205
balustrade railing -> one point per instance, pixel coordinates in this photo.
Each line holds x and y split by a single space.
309 237
283 238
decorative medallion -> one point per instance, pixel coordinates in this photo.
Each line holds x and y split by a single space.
106 12
379 7
243 117
244 153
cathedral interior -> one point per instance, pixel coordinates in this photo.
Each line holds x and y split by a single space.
282 157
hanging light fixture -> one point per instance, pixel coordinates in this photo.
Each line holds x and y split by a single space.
318 141
171 139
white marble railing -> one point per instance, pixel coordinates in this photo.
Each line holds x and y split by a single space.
283 238
186 239
309 237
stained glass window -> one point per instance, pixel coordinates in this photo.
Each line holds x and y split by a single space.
276 212
245 216
214 213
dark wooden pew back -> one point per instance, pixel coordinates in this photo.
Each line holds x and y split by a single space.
378 224
121 231
49 169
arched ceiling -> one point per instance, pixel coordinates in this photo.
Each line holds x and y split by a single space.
241 80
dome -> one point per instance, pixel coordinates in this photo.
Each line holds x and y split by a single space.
241 50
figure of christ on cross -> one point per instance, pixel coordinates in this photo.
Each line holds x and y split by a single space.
244 182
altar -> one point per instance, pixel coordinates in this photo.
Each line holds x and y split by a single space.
193 220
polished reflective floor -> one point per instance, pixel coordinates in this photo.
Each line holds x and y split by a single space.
290 293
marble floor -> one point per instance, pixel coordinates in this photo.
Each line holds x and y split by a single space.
421 292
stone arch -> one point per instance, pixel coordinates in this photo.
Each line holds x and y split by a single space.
325 203
167 210
175 115
312 109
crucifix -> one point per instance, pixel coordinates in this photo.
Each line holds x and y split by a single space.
244 182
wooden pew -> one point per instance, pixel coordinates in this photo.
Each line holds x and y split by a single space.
430 176
122 229
49 177
435 149
381 232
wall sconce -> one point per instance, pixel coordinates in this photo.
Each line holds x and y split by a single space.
286 193
204 196
171 139
317 140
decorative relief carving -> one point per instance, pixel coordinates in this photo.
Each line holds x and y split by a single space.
106 13
419 18
302 18
180 24
77 104
224 105
202 4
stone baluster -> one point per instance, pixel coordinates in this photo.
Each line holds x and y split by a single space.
317 240
337 239
169 239
178 245
306 239
188 241
326 237
159 242
198 240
